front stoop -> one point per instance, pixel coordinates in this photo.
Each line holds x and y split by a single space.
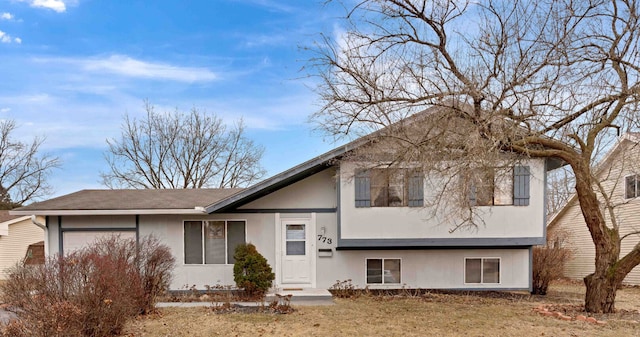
302 295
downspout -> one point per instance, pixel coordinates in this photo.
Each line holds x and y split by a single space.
46 234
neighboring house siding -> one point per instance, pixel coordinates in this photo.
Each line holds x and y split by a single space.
622 162
13 247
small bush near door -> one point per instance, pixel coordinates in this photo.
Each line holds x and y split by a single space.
91 292
251 271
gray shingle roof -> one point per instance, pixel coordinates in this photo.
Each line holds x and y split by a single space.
5 216
133 199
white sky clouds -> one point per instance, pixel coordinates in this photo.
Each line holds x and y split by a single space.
72 78
129 67
126 66
6 38
56 5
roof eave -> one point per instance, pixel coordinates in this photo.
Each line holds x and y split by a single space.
55 212
297 173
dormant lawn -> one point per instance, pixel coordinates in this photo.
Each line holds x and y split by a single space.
428 315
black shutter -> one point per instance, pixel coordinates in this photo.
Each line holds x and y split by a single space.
363 188
416 190
521 182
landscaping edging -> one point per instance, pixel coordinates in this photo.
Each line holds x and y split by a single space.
543 309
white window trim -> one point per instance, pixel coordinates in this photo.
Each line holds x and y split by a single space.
226 257
482 258
624 182
383 283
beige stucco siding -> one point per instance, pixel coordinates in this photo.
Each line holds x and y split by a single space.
429 269
410 222
13 247
624 161
170 230
316 191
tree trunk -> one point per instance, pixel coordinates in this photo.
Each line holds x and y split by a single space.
603 283
601 293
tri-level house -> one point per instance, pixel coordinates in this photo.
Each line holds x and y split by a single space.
331 218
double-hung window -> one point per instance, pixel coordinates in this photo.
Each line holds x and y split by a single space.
500 186
385 187
632 186
212 241
481 270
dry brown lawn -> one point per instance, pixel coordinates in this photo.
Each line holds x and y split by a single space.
429 315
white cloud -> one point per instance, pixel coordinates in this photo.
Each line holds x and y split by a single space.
56 5
271 5
5 110
129 67
6 16
6 38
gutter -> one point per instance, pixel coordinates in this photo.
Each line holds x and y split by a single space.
34 220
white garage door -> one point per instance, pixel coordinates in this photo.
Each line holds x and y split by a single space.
76 240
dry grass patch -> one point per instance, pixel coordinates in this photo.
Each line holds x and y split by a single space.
432 314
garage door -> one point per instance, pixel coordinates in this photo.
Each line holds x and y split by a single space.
76 240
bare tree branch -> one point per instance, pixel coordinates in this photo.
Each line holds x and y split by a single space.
173 150
23 169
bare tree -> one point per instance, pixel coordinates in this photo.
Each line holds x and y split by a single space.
560 189
23 168
174 150
542 78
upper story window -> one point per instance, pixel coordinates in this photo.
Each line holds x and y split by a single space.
383 187
212 242
501 186
632 186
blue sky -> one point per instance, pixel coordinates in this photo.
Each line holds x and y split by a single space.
70 70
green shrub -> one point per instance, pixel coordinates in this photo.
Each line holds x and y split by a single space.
251 271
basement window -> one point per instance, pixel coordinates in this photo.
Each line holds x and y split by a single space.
482 270
383 271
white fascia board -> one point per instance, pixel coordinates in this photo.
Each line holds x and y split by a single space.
4 226
109 212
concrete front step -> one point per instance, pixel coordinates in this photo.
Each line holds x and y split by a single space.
301 294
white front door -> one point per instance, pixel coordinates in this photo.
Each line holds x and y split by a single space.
296 252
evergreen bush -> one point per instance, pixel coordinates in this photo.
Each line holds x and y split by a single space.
251 270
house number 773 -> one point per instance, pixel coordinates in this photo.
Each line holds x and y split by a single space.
324 239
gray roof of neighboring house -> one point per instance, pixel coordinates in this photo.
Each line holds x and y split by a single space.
5 216
148 199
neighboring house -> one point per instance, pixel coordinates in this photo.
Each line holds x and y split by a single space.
324 220
16 234
619 174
